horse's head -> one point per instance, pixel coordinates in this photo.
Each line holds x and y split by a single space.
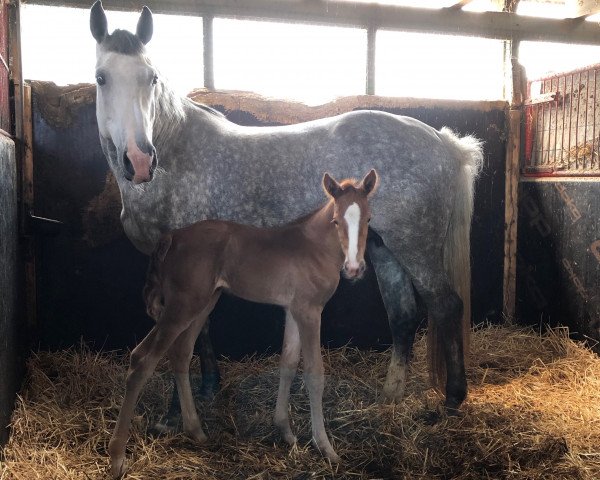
351 215
125 100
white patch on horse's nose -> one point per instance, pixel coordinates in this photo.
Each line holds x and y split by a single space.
140 161
352 217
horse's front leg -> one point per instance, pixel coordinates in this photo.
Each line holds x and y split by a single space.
290 356
142 364
398 298
309 326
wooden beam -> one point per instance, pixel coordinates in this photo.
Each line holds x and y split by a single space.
510 214
582 8
498 25
459 4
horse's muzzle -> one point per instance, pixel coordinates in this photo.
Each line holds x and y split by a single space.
132 175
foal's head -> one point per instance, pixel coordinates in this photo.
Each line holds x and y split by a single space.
351 215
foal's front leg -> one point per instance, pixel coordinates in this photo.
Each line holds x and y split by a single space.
288 364
309 325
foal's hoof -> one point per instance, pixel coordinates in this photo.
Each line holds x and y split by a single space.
118 467
197 435
333 457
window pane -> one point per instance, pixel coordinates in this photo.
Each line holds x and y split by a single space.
67 53
302 62
542 58
438 66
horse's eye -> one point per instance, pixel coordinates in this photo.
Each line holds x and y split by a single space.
335 222
100 80
369 220
155 79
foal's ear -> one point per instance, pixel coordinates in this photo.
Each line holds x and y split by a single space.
369 183
145 26
98 22
331 187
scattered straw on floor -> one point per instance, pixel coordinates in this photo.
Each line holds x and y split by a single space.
533 412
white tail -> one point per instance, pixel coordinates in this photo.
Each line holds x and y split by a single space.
468 152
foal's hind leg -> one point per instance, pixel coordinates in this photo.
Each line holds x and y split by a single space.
290 355
142 364
211 380
180 355
399 299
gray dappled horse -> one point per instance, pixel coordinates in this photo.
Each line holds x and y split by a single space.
173 160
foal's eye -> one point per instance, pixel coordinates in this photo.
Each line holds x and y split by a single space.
335 222
100 80
155 79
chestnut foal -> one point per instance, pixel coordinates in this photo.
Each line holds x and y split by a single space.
296 266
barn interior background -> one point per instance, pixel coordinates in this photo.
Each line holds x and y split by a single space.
69 273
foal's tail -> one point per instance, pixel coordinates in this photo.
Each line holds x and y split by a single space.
152 292
468 152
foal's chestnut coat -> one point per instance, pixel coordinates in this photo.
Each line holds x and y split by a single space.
296 266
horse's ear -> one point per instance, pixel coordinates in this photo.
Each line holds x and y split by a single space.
98 22
145 26
369 183
330 186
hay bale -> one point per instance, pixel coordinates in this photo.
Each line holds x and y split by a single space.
533 412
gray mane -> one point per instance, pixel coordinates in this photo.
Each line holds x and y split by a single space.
124 42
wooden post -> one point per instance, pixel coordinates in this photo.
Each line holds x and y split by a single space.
28 242
511 189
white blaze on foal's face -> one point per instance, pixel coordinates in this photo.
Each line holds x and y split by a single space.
352 219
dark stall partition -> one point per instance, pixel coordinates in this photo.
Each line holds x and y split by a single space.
90 276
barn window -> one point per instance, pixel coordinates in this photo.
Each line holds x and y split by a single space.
310 63
65 52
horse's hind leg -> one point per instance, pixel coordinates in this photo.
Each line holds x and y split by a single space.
398 297
211 378
290 355
446 349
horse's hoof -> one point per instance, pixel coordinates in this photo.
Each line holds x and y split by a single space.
289 438
393 392
165 426
210 386
118 467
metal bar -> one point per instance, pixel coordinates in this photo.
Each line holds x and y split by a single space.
570 123
594 114
577 123
585 128
555 121
371 42
498 25
208 52
562 138
543 107
542 98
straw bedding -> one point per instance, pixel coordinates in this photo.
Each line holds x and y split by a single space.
533 412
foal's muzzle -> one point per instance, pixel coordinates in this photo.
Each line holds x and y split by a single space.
141 175
354 271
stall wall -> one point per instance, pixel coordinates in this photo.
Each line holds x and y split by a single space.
9 351
558 277
90 277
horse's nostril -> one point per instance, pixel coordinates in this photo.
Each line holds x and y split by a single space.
129 171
